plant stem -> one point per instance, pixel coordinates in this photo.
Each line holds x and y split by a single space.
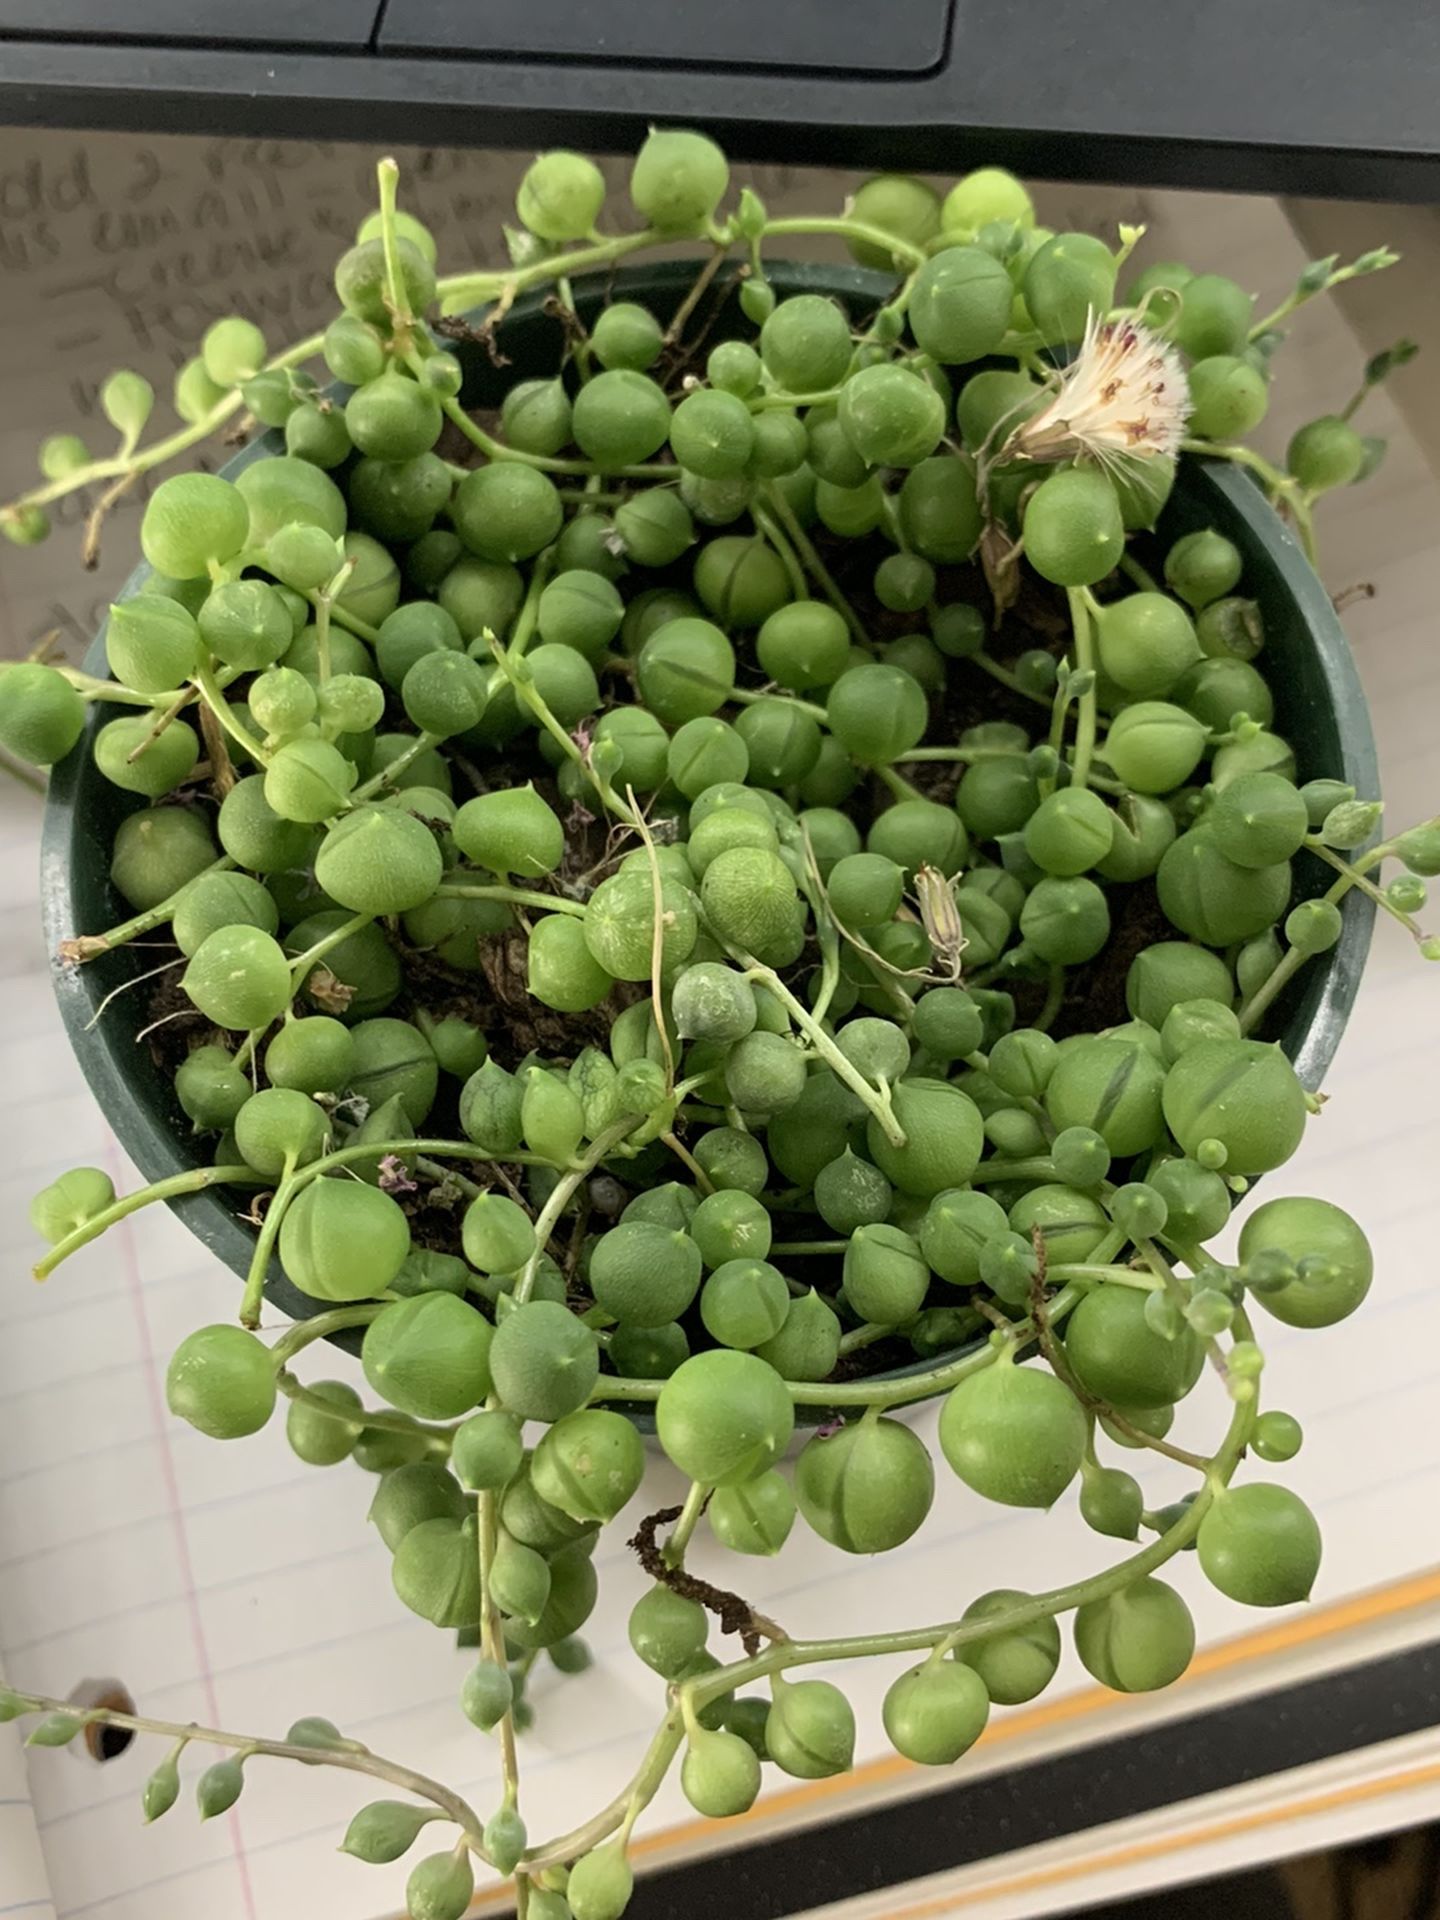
350 1759
470 1188
1385 849
512 896
687 1159
747 697
685 1526
27 776
302 963
320 1326
492 1635
636 1794
461 290
194 1181
989 664
214 698
387 775
897 1392
1281 486
789 559
1368 887
560 1197
788 1653
352 623
876 1099
143 459
864 1335
529 696
437 1438
88 946
254 1292
494 449
442 1149
1287 966
1084 1271
961 753
1133 570
782 511
1054 999
849 230
387 175
1085 706
89 688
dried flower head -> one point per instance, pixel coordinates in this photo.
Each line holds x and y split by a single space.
940 917
1123 397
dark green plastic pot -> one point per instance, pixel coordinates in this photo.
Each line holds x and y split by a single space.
1320 709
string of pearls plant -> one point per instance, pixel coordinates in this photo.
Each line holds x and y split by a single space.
746 881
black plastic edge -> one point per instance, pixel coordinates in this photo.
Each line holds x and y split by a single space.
819 120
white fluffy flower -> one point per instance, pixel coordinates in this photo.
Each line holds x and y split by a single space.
1123 397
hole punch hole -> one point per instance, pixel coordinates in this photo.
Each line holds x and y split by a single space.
101 1742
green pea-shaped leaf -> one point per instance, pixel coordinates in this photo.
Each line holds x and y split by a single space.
936 1711
1015 1434
866 1488
1259 1544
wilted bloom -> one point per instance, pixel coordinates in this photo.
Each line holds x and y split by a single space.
940 917
1123 397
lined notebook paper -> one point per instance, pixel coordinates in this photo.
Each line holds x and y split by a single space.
234 1586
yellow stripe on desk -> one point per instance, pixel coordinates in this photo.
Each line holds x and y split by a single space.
1301 1629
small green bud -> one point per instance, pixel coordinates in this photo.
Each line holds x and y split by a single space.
1321 797
323 1735
385 1830
487 1451
24 526
1168 1517
55 1730
545 1904
1314 926
1138 1210
1162 1316
161 1790
571 1655
441 1887
1277 1436
1209 1312
69 1202
1269 1269
1407 893
219 1787
749 216
63 454
126 400
1351 823
1111 1502
601 1884
1316 276
233 349
1419 849
486 1694
505 1839
1246 1360
12 1706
